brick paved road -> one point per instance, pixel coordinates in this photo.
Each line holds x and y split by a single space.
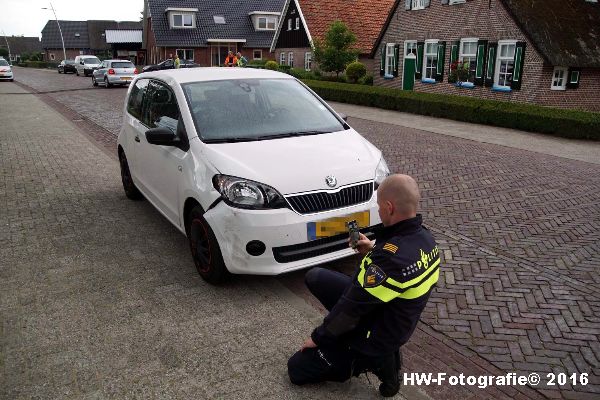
520 234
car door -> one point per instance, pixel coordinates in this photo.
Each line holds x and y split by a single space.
160 167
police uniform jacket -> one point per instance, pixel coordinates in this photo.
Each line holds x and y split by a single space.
379 311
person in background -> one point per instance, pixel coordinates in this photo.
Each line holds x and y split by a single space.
231 60
242 61
177 61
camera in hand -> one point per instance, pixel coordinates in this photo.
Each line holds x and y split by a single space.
354 233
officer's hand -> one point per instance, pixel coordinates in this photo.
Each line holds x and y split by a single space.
364 245
308 344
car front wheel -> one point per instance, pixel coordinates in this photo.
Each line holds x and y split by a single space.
205 249
131 191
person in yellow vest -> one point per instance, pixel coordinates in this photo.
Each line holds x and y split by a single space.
374 312
177 61
231 60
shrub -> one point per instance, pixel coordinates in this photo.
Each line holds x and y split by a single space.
302 74
528 117
355 70
366 80
285 68
272 65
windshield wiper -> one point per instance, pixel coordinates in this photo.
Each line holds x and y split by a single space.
230 140
290 134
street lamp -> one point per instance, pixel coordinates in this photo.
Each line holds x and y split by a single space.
7 45
60 30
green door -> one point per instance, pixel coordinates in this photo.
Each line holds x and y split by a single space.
408 78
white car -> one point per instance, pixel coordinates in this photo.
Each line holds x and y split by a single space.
5 70
257 170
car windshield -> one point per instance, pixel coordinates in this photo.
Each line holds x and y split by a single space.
69 62
124 64
256 109
4 63
92 60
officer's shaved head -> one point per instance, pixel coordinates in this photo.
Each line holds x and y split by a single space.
402 193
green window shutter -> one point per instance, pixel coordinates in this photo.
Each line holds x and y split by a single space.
490 68
396 58
573 78
518 66
382 61
420 49
439 73
408 4
453 57
482 46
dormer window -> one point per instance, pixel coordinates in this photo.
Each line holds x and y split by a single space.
219 19
264 21
182 17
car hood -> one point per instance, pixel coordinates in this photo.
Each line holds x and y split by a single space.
298 164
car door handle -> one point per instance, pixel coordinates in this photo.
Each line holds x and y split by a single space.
137 139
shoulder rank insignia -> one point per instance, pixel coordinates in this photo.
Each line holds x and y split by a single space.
374 276
392 248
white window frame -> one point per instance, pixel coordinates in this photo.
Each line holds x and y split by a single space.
307 61
183 25
461 53
291 59
254 54
433 55
297 23
52 57
270 23
556 80
282 58
289 24
389 60
417 5
410 44
499 59
185 52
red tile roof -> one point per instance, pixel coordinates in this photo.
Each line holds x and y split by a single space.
366 18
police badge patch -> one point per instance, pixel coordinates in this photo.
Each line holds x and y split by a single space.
374 276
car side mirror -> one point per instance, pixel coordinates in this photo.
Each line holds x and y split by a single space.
162 136
343 116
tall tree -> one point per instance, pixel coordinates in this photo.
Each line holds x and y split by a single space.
336 51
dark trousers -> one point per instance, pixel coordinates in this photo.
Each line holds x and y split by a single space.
325 363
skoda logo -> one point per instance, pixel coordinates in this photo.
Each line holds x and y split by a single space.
331 181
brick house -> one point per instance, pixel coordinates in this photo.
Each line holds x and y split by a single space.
204 31
81 37
542 52
306 20
20 45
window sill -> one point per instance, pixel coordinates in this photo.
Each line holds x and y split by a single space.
558 88
427 80
388 77
465 85
497 88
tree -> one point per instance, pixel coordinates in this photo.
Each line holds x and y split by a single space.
4 53
335 52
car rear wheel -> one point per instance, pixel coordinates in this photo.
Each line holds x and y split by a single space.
94 81
77 72
131 191
106 84
205 248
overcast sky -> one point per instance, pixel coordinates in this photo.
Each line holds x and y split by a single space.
26 17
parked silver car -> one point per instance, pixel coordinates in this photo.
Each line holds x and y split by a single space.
114 72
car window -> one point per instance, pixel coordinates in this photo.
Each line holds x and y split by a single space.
161 110
256 109
124 64
91 60
69 62
136 98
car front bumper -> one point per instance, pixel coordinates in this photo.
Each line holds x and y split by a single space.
285 235
6 75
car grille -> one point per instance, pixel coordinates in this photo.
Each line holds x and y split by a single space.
323 201
315 248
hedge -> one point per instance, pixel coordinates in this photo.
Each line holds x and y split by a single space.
555 121
38 64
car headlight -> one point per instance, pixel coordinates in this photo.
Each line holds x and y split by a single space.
381 172
244 193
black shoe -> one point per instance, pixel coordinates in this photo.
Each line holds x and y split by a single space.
388 373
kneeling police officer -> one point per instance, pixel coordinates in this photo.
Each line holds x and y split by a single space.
373 313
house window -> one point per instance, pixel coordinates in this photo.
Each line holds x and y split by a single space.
389 59
418 4
468 56
505 63
297 23
291 59
559 78
267 23
282 58
289 24
410 47
307 61
257 54
183 21
431 59
52 57
185 54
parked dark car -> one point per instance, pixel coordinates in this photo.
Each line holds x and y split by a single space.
169 64
66 66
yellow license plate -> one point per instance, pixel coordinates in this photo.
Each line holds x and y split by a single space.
336 226
126 79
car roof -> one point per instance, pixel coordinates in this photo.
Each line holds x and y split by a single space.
203 74
115 60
